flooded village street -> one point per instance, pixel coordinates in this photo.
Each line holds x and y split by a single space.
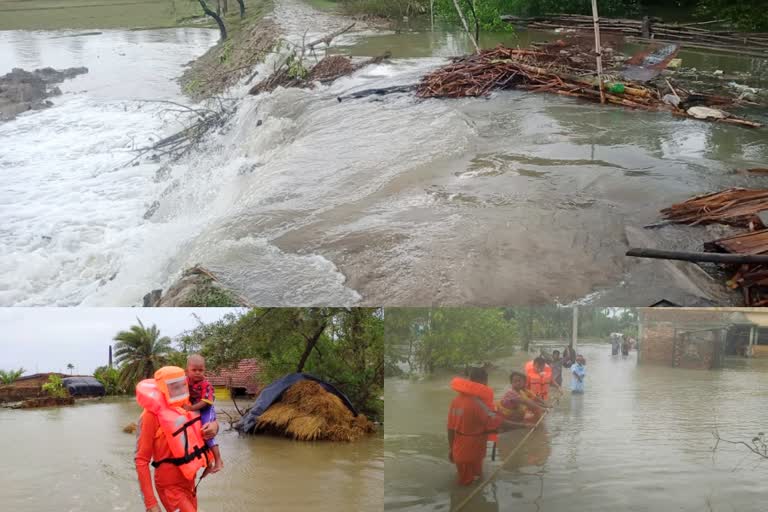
302 199
639 439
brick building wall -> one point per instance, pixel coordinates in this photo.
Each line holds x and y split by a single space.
657 337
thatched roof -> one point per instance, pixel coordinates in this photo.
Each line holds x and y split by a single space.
307 412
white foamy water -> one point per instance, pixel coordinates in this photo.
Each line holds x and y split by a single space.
70 212
73 223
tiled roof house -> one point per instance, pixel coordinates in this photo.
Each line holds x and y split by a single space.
244 377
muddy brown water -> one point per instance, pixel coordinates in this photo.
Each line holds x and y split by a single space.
305 200
79 459
639 439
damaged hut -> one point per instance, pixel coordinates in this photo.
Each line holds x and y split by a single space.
305 408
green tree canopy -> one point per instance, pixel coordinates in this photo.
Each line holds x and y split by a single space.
343 346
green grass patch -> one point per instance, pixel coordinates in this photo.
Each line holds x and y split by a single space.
324 5
90 14
210 296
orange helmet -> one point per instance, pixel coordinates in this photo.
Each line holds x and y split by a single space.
172 382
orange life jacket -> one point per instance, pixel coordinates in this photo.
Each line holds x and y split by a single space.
481 391
538 383
182 429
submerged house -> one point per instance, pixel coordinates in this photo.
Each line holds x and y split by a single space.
242 379
701 337
31 386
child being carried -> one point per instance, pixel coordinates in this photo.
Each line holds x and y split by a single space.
201 396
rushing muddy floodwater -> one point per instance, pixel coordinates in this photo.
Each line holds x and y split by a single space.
305 200
78 459
639 439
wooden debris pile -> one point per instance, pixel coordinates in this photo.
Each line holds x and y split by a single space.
734 206
744 254
751 278
555 71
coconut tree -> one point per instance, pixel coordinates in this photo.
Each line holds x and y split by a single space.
139 352
71 368
8 377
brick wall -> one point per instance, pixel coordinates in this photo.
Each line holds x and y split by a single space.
658 333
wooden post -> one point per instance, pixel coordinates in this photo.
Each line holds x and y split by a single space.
575 327
432 13
598 50
466 26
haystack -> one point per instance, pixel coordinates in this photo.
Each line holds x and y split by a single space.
307 412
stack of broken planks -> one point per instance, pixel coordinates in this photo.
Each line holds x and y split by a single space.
752 279
735 207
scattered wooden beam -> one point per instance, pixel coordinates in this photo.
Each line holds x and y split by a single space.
699 257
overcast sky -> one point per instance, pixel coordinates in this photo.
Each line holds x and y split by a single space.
47 339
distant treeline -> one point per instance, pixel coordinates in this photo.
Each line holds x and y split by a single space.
748 15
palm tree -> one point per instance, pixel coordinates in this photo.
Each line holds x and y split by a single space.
70 367
8 377
139 352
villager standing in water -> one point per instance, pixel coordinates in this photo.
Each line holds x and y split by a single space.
579 373
557 368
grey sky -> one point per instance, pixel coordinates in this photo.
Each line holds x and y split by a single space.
47 339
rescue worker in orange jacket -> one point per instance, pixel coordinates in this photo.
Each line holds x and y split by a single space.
176 491
539 377
471 420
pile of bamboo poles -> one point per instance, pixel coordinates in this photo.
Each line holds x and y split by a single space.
534 70
653 28
733 206
546 70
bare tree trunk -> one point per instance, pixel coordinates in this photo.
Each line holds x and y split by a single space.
241 3
224 7
311 342
207 10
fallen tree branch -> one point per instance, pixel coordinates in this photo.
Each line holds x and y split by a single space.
758 446
330 37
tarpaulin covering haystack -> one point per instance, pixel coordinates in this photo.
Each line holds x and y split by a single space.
307 412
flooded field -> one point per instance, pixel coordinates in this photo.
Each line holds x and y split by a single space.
88 14
79 459
639 439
